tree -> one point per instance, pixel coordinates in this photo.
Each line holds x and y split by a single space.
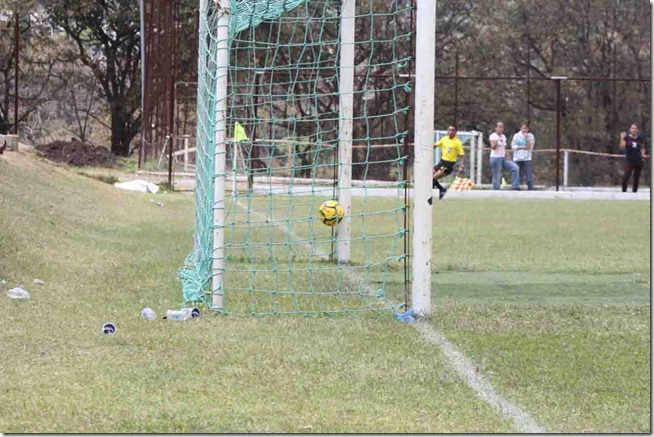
77 99
38 57
106 36
583 38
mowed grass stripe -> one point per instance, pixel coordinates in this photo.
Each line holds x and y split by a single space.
564 332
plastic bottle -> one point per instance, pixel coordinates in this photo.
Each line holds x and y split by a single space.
148 314
18 293
192 312
177 315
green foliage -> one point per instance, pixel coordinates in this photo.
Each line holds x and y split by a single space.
164 185
531 38
107 40
107 179
38 56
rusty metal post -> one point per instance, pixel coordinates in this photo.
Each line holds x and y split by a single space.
558 80
528 83
525 19
142 48
171 36
456 88
558 132
16 53
160 22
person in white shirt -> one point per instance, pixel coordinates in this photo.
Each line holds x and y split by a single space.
522 145
499 160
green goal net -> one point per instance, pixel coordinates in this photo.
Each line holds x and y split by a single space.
300 102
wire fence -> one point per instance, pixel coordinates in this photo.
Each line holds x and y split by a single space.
281 158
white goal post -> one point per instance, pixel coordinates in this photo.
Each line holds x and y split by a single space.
220 136
423 155
423 145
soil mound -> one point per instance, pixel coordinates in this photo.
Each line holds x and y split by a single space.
77 153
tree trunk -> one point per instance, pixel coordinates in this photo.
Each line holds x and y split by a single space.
122 131
5 126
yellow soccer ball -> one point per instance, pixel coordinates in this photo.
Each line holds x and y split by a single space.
331 212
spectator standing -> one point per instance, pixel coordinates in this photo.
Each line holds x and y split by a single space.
522 144
499 159
635 152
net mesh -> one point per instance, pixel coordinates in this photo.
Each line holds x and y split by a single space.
283 90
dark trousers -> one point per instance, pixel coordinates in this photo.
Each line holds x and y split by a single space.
636 166
525 169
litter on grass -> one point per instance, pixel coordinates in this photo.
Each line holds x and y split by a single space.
148 314
109 329
18 293
138 185
407 317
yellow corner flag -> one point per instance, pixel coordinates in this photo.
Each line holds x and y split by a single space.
239 132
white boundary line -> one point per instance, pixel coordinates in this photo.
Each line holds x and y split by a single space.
467 370
471 194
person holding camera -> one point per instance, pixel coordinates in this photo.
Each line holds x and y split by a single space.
635 154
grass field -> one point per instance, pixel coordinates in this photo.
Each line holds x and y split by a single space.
550 298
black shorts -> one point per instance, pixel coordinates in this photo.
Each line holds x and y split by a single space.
446 166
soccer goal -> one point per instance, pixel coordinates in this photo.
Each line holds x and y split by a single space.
301 102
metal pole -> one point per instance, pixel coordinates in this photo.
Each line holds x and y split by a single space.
220 136
408 118
473 157
480 160
528 68
17 41
423 155
528 83
253 151
234 167
346 103
171 34
143 119
255 107
614 114
170 139
148 141
566 156
558 130
456 88
186 137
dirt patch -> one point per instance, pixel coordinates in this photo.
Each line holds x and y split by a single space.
77 154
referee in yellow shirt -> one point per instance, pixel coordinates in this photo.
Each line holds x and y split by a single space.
452 147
